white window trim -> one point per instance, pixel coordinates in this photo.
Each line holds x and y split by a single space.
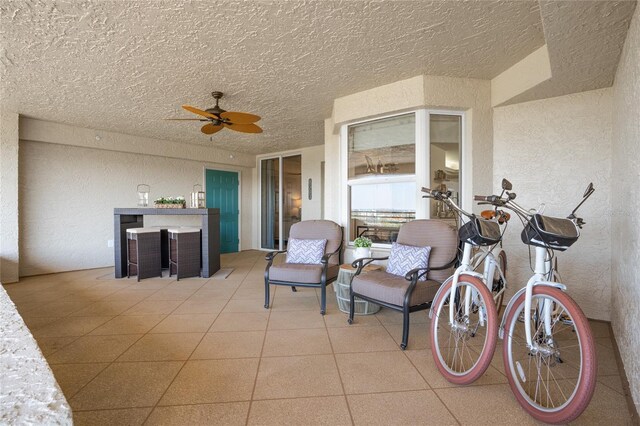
422 172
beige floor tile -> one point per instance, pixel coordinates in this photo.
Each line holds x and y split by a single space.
128 324
389 316
132 294
490 404
308 341
328 410
400 408
72 377
162 347
419 335
129 417
55 309
105 308
232 344
607 362
211 294
185 323
244 305
600 328
297 376
93 349
250 292
71 326
378 372
423 361
34 323
127 384
152 307
50 345
290 320
222 380
337 318
604 341
237 321
613 382
361 339
172 294
229 413
192 306
299 303
607 407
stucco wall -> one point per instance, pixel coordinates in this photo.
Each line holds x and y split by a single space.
67 196
625 207
9 148
550 150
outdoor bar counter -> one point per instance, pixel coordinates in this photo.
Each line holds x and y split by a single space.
126 218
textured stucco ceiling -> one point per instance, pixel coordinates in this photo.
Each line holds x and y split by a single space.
124 65
585 40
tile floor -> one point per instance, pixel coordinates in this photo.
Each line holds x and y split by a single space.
205 351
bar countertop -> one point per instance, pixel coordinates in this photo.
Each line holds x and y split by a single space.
154 211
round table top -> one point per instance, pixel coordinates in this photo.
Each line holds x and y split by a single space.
370 267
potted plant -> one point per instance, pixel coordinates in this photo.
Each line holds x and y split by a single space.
170 203
363 247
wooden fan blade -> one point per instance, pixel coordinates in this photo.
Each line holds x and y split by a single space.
244 128
240 117
209 129
198 111
185 119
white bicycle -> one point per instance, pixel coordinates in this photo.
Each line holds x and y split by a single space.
464 319
549 353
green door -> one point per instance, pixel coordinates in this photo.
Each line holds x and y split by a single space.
222 193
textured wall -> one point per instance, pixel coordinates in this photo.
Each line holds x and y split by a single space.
625 238
9 256
67 196
550 150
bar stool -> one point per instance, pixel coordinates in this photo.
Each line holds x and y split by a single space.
184 252
143 252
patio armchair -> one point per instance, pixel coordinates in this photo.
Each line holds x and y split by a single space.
416 287
314 254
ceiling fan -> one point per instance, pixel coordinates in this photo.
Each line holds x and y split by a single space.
218 118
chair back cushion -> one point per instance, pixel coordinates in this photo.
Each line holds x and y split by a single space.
305 251
404 258
319 230
437 234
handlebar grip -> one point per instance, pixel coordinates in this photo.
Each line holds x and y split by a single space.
481 198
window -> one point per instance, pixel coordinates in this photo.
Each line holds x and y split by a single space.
388 160
381 177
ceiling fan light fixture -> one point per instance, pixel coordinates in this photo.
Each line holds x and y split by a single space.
219 118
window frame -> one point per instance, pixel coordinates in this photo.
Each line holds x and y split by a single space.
421 177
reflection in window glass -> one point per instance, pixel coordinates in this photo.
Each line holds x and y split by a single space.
378 209
445 140
383 147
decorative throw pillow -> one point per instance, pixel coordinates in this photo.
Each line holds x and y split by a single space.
305 251
404 258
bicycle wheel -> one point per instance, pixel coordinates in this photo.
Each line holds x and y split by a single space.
498 282
553 382
463 350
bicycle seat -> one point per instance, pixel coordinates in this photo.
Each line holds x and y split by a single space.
490 214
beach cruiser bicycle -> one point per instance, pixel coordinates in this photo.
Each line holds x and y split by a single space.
548 351
464 326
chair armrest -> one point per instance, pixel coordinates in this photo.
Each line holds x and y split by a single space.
271 255
364 261
327 256
416 272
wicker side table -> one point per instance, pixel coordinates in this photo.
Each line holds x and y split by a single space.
184 252
341 287
143 253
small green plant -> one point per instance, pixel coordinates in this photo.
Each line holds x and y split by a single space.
362 242
170 200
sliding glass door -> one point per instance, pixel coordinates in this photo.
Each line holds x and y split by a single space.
280 199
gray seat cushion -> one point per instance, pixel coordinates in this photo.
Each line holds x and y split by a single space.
301 272
389 288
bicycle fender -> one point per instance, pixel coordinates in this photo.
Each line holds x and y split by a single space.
512 301
473 274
